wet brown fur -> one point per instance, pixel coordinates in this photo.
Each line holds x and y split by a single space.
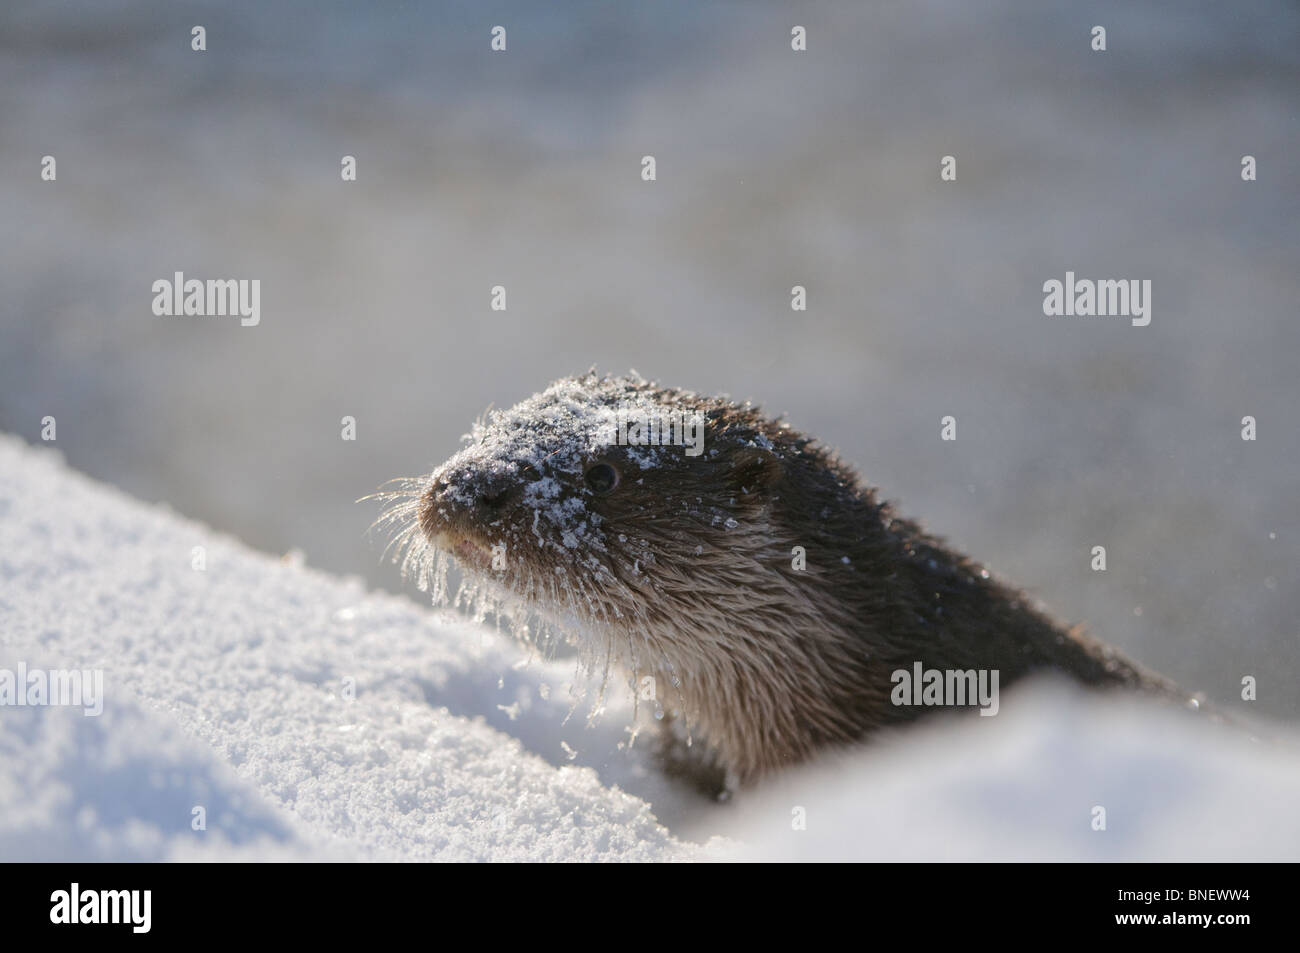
766 664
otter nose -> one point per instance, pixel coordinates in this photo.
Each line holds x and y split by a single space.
491 495
477 492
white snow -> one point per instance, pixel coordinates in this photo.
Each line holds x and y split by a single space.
1024 786
226 689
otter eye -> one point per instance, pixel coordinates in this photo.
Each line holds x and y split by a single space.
601 477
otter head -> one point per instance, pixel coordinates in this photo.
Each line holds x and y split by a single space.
615 501
661 525
526 498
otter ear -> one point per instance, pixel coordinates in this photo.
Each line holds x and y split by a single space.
754 471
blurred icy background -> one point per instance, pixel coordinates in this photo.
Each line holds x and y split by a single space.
775 169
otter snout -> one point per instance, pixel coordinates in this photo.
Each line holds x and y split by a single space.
455 511
464 499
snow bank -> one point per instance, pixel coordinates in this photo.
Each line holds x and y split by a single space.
310 719
1025 786
227 689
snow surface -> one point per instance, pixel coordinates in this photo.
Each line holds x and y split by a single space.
1023 787
225 690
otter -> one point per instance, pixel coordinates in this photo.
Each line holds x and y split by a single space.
760 588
